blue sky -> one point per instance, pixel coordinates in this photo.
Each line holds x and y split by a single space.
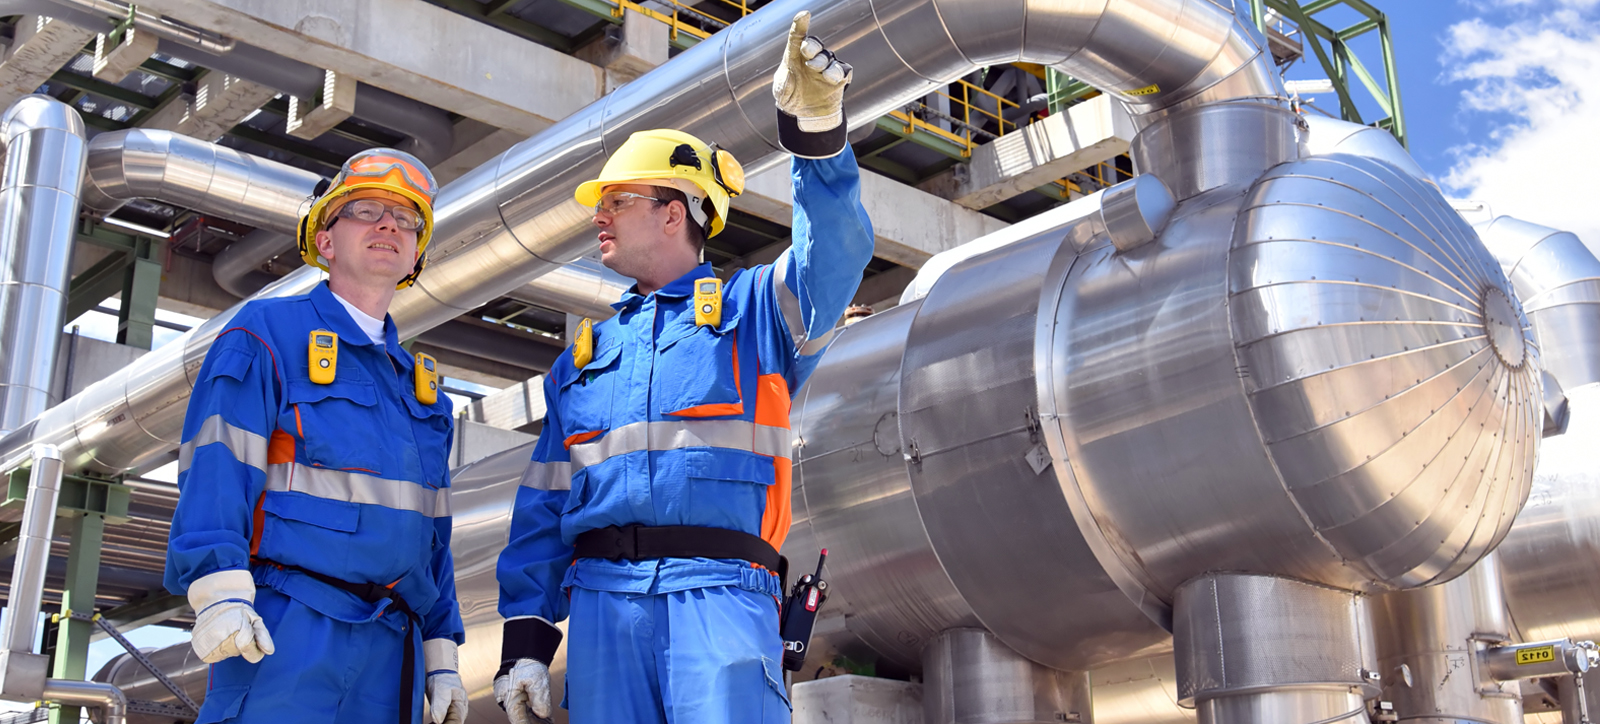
1501 98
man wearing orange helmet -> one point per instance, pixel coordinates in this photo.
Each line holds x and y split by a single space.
312 533
658 494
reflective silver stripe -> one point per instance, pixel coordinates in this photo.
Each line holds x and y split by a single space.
247 447
352 487
788 303
817 345
548 476
676 435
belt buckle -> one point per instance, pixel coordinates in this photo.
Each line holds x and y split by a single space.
624 543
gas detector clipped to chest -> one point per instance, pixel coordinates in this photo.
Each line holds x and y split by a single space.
708 302
324 356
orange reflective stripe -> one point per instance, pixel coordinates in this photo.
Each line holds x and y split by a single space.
772 410
720 408
582 437
778 516
297 427
280 448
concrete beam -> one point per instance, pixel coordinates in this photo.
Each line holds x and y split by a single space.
41 47
220 102
412 48
629 50
472 144
519 407
911 225
1091 132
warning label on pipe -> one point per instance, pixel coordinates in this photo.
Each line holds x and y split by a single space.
1540 655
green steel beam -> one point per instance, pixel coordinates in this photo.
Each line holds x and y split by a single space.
598 8
170 72
95 284
97 234
103 89
136 320
288 145
1391 74
72 638
1359 29
926 140
495 7
1292 10
1259 11
1317 6
1354 63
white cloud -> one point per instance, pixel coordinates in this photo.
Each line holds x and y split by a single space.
1538 77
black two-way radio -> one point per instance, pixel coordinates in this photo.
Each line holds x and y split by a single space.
800 615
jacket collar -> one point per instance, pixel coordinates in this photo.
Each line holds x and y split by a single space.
338 321
679 288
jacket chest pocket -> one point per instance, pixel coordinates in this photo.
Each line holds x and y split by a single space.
586 398
434 430
339 424
697 373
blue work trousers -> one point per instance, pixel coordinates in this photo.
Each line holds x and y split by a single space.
324 671
703 656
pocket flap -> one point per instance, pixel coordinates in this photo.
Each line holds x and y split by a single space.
672 335
331 514
360 392
730 465
233 363
423 412
602 359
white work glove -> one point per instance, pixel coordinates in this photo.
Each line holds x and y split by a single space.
526 687
809 87
447 696
226 623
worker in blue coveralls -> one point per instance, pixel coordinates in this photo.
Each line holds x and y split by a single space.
312 534
658 493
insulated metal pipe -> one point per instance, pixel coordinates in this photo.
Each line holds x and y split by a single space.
513 219
22 672
143 163
109 699
44 142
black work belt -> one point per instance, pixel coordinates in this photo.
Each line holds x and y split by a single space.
374 593
642 542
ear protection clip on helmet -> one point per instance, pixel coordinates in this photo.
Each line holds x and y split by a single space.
725 169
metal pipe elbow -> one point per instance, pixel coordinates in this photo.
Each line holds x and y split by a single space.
109 699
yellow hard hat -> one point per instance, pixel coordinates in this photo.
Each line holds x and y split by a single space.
383 169
673 159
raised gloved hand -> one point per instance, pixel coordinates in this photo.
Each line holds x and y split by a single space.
226 623
809 88
525 688
447 696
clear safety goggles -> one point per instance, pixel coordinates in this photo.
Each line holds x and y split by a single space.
381 163
370 211
616 202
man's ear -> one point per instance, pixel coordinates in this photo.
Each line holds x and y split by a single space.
324 240
677 216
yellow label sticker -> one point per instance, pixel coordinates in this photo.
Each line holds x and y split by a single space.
1148 90
1541 655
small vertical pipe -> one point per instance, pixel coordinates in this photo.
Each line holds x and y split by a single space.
33 547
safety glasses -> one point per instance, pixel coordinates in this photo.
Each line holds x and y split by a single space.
370 211
617 202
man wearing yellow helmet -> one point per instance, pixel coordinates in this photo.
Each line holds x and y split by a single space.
312 533
658 494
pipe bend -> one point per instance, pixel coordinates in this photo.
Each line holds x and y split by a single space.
111 701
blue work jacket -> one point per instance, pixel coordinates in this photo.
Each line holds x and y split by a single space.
349 479
671 423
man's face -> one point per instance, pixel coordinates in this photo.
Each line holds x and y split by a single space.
631 235
373 252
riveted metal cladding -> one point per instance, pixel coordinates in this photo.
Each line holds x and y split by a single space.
1320 375
44 157
1558 281
1263 648
969 677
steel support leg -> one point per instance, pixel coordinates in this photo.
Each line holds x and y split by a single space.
83 577
137 318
